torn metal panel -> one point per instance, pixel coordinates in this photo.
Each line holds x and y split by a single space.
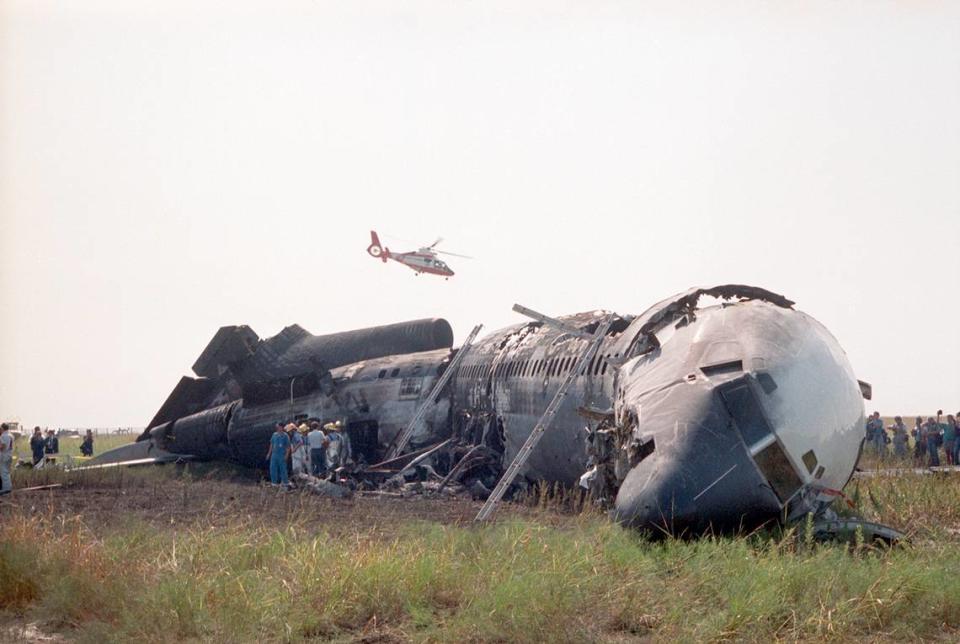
269 362
230 345
423 457
237 358
300 352
412 390
640 336
290 388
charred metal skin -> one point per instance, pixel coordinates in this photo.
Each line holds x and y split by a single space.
237 359
716 418
688 418
755 411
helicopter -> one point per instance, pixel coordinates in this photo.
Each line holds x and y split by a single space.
424 260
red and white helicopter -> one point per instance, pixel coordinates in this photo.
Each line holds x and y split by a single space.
424 260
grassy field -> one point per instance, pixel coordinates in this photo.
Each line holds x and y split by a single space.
199 554
70 446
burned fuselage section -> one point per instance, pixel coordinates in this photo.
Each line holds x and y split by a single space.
687 417
374 399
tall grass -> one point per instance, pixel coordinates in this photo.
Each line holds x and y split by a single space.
562 576
125 477
512 581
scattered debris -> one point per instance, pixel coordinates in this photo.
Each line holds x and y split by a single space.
852 529
51 486
322 487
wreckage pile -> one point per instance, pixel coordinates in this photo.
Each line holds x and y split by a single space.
464 465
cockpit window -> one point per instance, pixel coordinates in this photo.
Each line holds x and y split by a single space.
766 382
778 470
718 369
741 402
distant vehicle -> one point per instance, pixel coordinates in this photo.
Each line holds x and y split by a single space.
424 260
16 430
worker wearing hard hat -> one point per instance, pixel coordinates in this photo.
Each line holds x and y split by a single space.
334 445
298 449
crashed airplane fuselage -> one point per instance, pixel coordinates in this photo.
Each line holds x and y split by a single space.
687 417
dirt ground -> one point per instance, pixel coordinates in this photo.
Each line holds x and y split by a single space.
212 503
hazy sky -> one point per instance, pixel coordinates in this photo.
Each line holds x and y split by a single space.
167 168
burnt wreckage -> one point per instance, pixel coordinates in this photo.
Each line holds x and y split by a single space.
686 417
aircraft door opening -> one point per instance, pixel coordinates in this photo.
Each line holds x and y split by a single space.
364 440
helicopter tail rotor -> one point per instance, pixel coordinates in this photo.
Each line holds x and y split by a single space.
376 249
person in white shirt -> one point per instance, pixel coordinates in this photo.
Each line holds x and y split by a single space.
6 459
298 449
317 442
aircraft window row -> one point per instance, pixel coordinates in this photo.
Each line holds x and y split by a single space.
527 368
396 372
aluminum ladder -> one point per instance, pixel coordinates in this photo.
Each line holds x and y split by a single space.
538 431
400 443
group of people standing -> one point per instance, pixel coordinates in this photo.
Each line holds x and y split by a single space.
41 446
929 437
306 449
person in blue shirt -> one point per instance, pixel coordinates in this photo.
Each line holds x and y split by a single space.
876 434
37 445
277 455
86 447
51 444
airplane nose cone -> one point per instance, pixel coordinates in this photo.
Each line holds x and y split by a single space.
713 487
750 407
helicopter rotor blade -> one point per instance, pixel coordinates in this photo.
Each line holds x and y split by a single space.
439 239
445 252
